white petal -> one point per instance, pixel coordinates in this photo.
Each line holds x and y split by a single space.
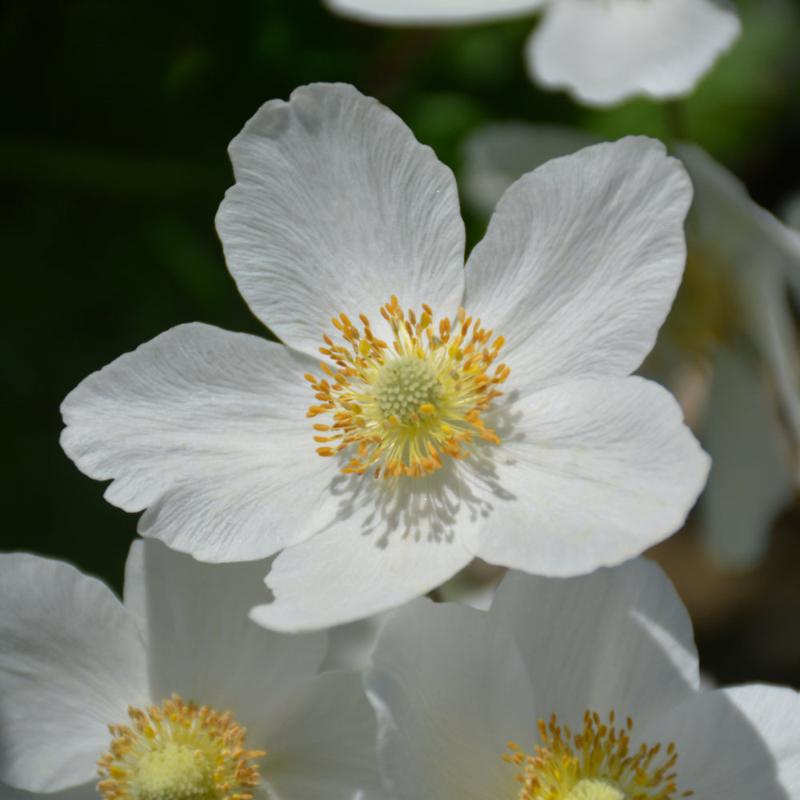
451 690
774 332
324 745
730 225
431 12
392 542
206 429
336 208
603 53
751 477
595 472
498 154
85 792
773 713
202 644
581 262
343 576
616 639
735 744
350 645
760 255
134 596
71 662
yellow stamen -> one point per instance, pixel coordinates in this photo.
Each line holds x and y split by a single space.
401 405
595 764
178 751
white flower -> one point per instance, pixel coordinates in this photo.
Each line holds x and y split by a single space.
600 51
732 314
202 702
571 689
338 222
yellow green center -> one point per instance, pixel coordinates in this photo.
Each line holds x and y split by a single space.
405 385
399 407
598 762
175 772
178 751
595 789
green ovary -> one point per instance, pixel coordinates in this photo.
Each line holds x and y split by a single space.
404 385
595 789
174 772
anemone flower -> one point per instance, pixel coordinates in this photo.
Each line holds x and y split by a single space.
582 688
486 411
173 694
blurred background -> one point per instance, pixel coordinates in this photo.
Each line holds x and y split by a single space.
116 118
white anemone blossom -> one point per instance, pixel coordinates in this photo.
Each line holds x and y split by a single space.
583 688
486 411
601 51
732 321
174 694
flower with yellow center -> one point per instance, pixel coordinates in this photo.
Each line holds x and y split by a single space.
728 347
596 763
403 406
418 412
179 751
83 682
458 692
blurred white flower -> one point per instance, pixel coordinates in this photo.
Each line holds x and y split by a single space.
792 213
419 464
173 694
601 51
571 689
732 320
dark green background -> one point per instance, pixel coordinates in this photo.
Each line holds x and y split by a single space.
115 121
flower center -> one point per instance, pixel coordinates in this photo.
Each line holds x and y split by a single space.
404 386
595 764
175 771
595 789
178 751
401 406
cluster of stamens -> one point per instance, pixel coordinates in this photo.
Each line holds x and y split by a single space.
178 751
596 763
402 406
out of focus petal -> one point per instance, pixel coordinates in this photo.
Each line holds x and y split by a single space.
71 662
431 12
751 475
603 53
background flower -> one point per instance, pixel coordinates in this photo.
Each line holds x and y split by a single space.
452 685
601 52
74 659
